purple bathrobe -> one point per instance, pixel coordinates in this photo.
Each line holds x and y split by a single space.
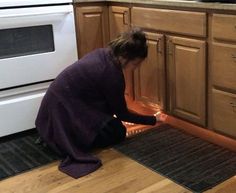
79 102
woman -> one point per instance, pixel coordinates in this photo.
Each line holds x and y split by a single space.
77 112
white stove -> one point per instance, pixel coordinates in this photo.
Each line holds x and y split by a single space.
15 3
36 44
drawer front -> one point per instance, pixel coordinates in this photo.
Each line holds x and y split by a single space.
224 112
224 27
183 22
224 65
19 108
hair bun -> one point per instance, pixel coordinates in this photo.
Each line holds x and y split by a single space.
138 35
130 45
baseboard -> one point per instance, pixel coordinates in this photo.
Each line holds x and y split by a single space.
202 133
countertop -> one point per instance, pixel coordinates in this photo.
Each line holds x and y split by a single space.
173 3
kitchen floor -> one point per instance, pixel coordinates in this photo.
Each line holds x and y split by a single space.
119 174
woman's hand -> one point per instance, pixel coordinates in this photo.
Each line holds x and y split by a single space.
160 116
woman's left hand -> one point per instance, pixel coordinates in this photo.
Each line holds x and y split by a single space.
160 116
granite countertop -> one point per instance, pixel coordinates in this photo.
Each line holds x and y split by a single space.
175 3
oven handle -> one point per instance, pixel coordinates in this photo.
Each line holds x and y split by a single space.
21 98
36 14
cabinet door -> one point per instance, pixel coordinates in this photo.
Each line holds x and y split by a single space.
223 65
92 28
149 78
119 20
223 27
186 79
224 112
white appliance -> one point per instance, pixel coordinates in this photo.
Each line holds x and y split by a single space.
36 44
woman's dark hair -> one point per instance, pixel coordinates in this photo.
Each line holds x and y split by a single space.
130 45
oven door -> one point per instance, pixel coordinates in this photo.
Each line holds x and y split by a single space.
36 44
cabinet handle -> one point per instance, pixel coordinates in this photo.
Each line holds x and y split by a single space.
234 57
233 106
126 18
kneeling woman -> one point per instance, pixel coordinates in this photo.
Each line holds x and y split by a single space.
77 112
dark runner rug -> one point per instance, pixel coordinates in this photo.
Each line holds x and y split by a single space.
19 153
187 160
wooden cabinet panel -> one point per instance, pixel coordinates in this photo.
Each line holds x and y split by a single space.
92 28
119 19
224 27
183 22
150 76
224 65
186 78
224 112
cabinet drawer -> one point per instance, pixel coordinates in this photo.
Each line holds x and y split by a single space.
224 112
224 65
183 22
224 27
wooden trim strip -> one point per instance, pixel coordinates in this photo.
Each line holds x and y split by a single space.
202 133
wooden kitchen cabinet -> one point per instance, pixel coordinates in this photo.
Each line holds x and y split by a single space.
178 67
149 78
222 73
92 28
186 79
119 21
185 74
